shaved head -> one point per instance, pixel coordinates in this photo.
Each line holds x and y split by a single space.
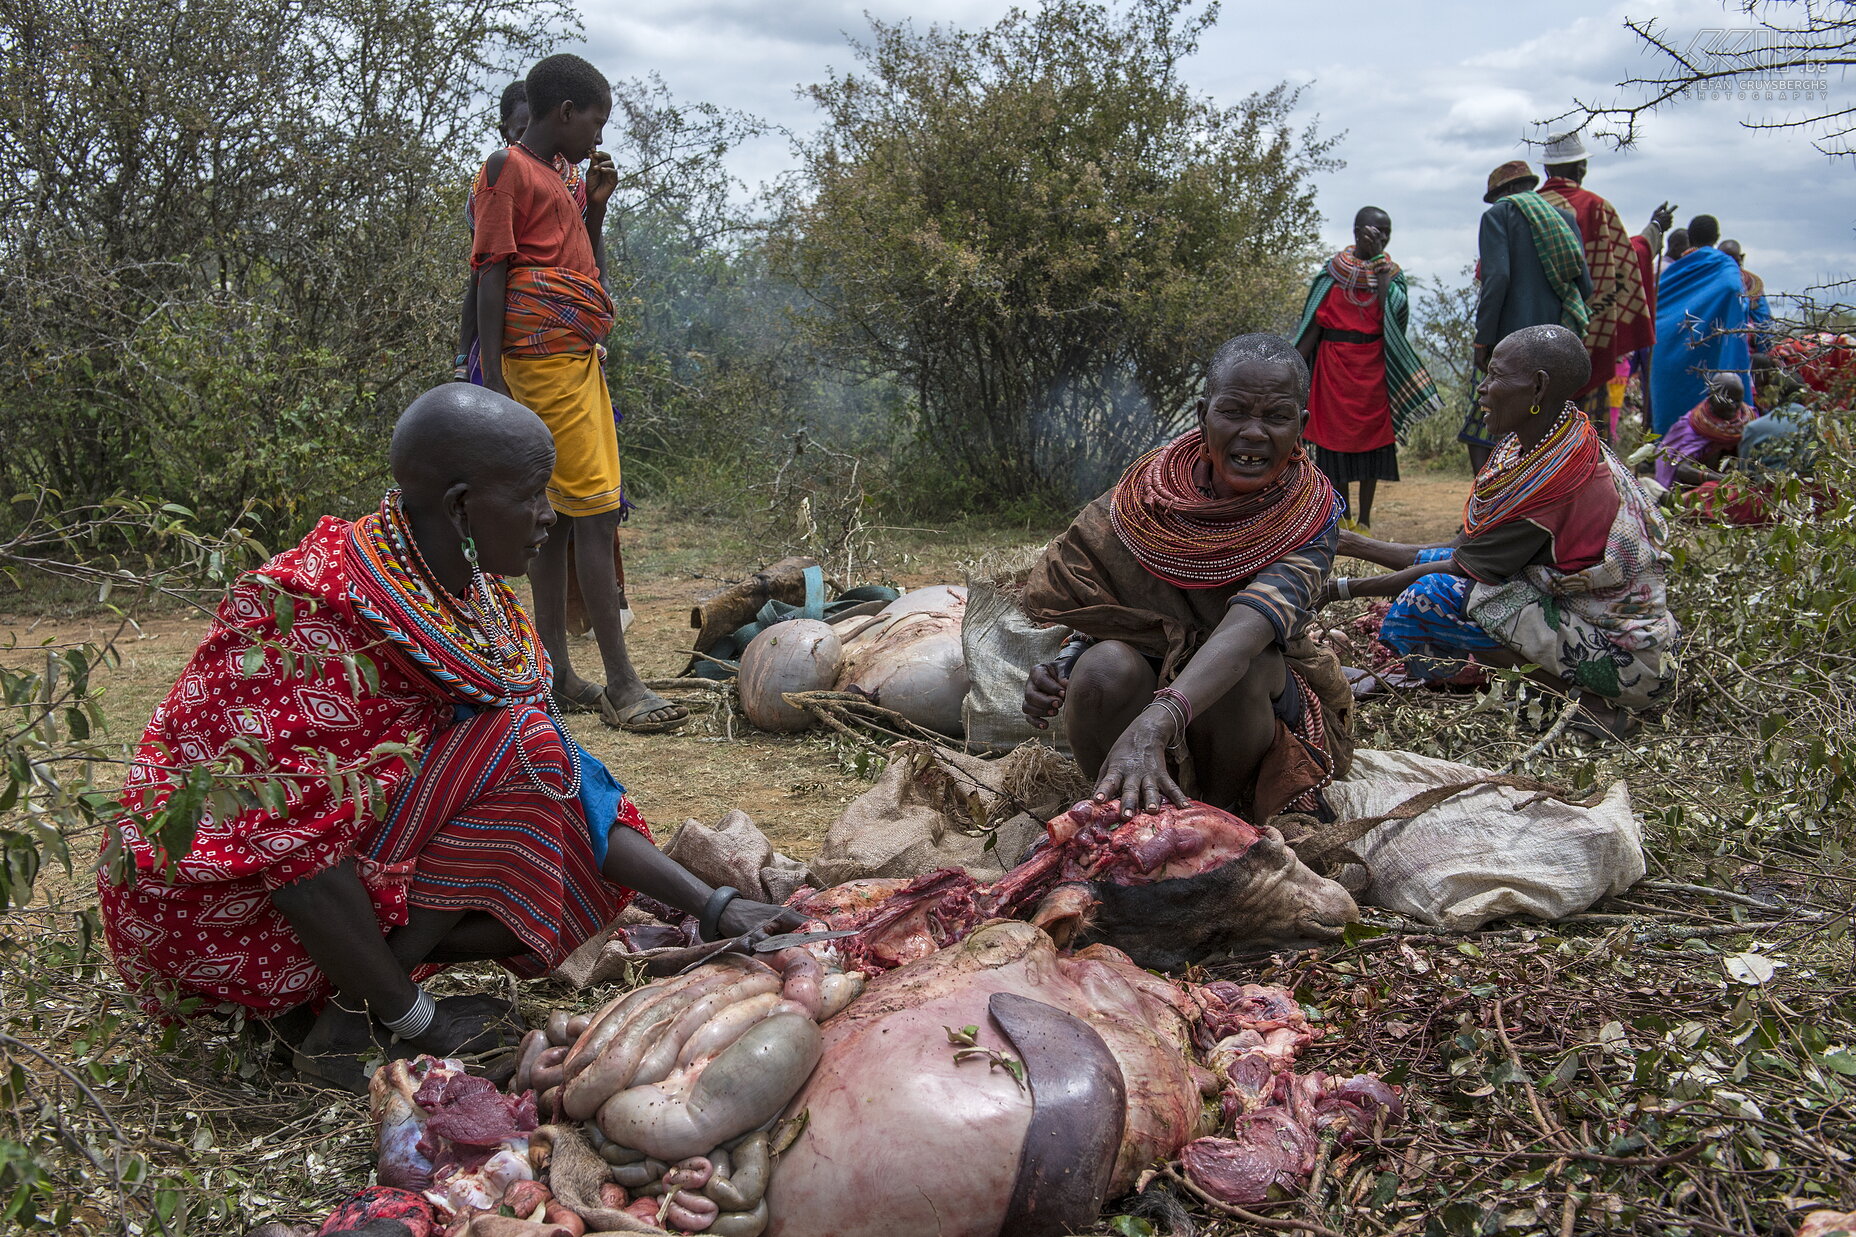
1373 215
463 433
1556 350
1268 349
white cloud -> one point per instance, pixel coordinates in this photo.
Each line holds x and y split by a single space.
1431 98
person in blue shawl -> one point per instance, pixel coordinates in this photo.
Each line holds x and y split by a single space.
1701 326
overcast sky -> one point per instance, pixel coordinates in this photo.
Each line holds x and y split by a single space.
1429 97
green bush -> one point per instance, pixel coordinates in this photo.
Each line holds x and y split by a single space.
1039 232
233 246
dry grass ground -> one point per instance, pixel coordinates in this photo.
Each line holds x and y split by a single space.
1608 1075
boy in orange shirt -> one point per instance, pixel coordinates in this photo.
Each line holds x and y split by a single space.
539 264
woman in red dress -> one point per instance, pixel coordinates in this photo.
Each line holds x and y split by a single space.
1368 384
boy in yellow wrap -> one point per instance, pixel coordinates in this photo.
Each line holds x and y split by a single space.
539 264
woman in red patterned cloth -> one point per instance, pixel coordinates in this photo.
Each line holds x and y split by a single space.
405 798
1189 588
1367 386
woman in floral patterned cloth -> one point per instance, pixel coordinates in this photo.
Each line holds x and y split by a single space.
1560 563
410 798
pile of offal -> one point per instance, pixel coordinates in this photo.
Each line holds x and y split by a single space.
933 1056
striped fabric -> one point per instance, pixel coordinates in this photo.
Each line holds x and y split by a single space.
1561 253
479 835
549 310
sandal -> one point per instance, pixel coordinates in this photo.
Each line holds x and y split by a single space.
625 719
588 701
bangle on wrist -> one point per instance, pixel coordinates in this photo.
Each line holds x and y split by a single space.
1174 714
1178 699
1343 588
415 1021
709 923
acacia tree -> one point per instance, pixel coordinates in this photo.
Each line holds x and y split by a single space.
1789 52
1041 232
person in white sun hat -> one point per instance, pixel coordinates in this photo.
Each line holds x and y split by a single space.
1620 317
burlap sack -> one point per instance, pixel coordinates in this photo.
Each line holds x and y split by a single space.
1481 847
932 808
1001 646
737 853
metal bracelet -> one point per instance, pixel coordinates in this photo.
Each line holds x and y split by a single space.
709 923
1172 710
1343 588
415 1021
1178 698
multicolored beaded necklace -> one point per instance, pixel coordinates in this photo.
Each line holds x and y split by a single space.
1716 428
1514 484
1356 275
477 649
1193 541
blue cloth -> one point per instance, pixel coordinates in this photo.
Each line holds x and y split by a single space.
599 799
599 792
1428 625
1700 329
1759 314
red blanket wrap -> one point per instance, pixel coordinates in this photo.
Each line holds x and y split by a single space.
462 827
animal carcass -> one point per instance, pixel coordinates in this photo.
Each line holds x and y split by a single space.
1169 888
915 1125
910 659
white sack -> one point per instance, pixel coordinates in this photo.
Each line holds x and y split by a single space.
1487 851
1001 644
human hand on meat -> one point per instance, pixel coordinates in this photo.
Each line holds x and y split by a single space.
1135 768
1044 692
745 915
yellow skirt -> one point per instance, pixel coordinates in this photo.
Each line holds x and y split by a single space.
568 392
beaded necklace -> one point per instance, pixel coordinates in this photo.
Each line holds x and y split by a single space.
1354 275
473 648
480 648
1188 540
1515 483
1716 428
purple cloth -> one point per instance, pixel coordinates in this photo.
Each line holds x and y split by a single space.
1683 443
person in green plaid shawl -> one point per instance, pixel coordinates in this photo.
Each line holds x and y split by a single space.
1369 387
1531 272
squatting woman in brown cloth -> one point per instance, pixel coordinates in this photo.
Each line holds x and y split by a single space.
1190 588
